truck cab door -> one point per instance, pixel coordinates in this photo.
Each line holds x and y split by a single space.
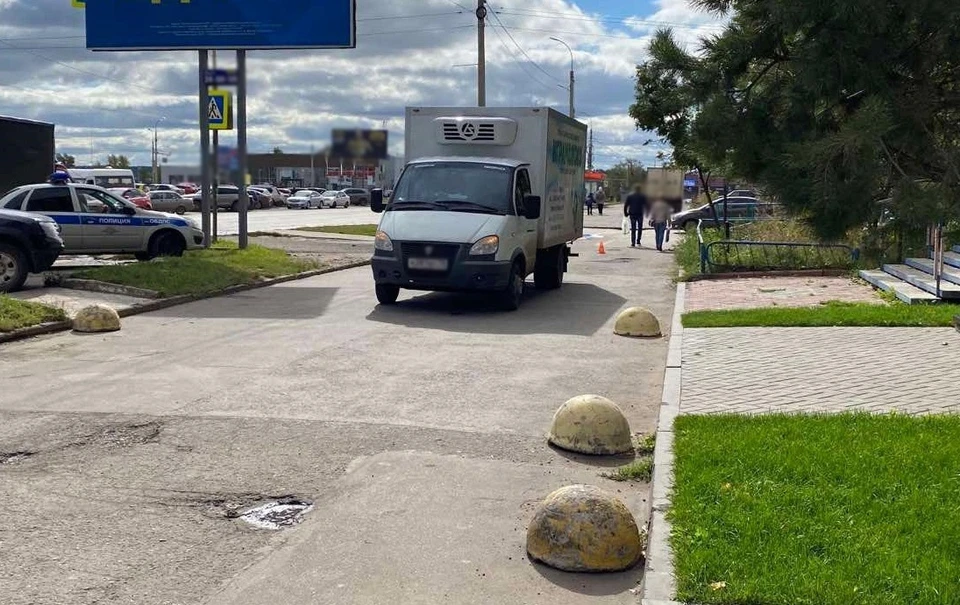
527 228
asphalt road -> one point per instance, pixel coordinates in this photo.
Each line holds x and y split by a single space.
282 218
417 431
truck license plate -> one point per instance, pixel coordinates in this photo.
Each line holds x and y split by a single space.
427 264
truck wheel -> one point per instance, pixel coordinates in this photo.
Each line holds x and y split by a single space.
13 268
511 298
387 294
548 274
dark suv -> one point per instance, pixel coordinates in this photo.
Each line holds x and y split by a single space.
29 243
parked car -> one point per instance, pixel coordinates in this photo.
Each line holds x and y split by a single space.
335 199
189 188
228 198
742 193
123 229
276 196
738 210
358 197
305 199
166 187
135 196
259 198
169 201
29 243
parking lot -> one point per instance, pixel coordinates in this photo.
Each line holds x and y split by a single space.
276 219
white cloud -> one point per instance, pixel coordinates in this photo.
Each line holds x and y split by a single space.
111 101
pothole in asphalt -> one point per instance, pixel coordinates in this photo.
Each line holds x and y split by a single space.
124 435
14 457
277 514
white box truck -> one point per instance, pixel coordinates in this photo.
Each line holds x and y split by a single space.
488 197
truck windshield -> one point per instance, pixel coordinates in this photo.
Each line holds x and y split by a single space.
457 186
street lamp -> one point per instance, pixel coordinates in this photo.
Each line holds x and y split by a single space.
572 113
155 158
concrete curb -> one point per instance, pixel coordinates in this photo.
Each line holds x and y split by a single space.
166 303
39 330
91 285
659 583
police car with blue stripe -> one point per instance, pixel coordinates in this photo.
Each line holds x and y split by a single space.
93 220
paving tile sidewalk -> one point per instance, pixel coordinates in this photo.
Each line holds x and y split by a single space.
754 292
758 370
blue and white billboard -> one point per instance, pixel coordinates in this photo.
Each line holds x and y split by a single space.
220 24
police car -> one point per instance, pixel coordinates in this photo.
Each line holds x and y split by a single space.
94 221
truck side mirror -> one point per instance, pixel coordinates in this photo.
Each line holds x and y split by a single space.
376 200
531 207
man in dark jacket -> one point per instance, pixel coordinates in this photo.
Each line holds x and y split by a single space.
635 207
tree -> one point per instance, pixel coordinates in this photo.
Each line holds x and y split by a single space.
831 107
277 151
67 160
625 174
669 88
118 161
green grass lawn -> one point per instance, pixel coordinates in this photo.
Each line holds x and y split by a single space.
202 271
817 510
370 230
828 314
16 314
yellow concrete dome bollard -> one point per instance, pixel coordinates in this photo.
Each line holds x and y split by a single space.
637 322
583 528
591 424
96 318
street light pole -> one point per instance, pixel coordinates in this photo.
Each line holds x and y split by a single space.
481 54
156 150
572 78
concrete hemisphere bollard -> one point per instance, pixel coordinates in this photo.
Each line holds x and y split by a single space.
591 424
637 322
96 318
581 528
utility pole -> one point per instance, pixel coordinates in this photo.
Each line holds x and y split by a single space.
313 173
481 54
590 151
573 112
214 229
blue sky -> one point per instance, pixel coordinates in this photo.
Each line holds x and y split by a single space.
409 52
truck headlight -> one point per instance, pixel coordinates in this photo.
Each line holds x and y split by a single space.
486 246
383 242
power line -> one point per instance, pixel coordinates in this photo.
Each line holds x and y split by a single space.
513 55
520 48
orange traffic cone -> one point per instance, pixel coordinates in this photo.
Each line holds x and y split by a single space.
601 249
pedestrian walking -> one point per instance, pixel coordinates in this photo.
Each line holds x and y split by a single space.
590 202
635 208
660 213
601 198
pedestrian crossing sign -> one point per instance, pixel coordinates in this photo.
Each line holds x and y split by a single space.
220 110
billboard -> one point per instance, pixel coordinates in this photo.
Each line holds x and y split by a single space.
359 144
219 24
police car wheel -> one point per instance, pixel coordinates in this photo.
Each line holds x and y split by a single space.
13 268
167 244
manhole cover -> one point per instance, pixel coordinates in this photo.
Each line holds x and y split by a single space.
278 514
